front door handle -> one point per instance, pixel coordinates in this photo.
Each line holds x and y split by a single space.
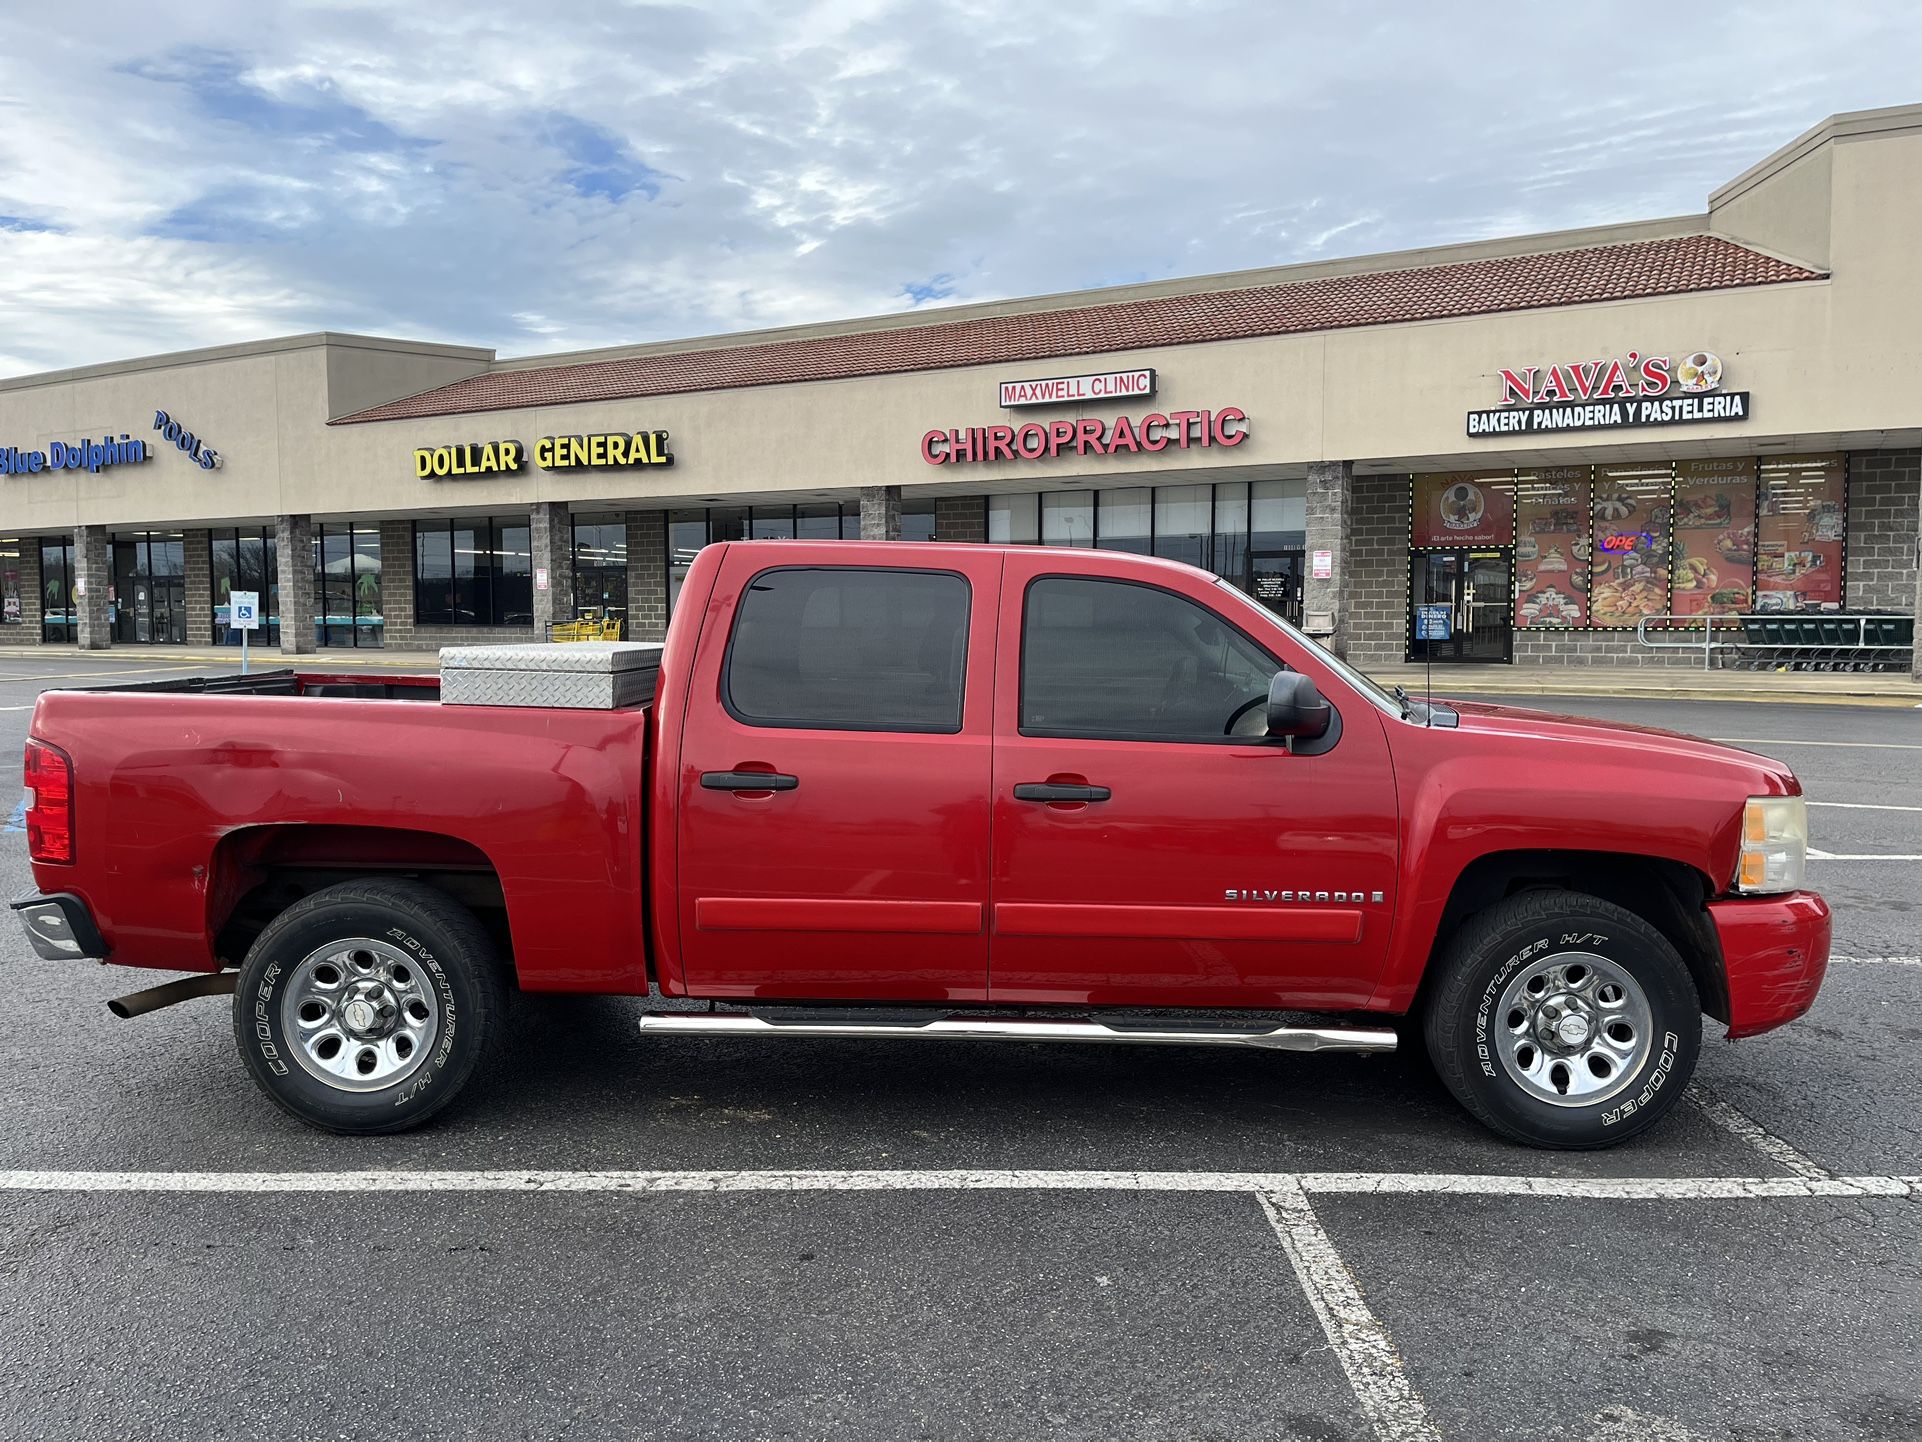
748 781
1054 791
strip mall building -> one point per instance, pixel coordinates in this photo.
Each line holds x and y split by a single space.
1552 436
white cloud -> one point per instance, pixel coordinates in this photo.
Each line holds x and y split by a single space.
578 174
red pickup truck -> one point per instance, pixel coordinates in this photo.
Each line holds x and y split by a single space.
931 792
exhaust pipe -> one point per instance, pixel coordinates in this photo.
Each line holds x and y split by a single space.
139 1003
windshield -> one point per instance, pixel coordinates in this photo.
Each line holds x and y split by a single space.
1328 658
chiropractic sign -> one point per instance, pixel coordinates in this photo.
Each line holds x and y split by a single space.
1632 390
1122 436
614 451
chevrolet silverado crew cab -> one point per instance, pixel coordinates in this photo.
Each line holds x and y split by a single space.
927 792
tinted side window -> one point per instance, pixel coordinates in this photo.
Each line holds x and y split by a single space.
1110 658
844 649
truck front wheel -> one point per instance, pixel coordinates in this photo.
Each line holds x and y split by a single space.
1561 1020
365 1007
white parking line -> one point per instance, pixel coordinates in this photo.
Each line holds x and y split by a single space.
1797 741
1861 806
1732 1118
1815 855
1362 1345
1876 960
1678 1189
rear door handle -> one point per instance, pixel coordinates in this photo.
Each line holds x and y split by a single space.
748 781
1053 791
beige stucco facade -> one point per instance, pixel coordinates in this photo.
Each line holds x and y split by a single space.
1831 364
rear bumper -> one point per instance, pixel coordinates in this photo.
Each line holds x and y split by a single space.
1776 952
60 927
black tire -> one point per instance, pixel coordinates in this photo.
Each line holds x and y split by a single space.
457 982
1497 947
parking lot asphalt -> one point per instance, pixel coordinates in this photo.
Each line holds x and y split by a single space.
678 1237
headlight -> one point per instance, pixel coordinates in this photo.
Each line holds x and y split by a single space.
1775 844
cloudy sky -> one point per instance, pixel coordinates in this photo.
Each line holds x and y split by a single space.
577 173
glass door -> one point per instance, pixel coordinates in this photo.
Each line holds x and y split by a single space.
1478 589
1275 581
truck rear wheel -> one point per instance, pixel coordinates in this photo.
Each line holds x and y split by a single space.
365 1007
1561 1020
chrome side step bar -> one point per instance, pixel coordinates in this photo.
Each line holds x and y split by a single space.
1281 1038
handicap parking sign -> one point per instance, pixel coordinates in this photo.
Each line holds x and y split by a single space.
243 608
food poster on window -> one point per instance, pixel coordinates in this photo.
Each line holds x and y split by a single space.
1628 566
1552 547
1798 535
1714 566
1464 508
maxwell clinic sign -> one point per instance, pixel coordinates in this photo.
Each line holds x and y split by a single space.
1627 391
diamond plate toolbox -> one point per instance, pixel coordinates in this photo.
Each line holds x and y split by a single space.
576 675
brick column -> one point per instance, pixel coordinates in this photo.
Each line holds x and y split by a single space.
92 574
1330 528
551 533
961 518
299 604
646 575
397 585
880 513
198 546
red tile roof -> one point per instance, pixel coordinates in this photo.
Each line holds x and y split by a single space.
1473 287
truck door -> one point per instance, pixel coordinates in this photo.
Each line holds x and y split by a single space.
1152 846
834 774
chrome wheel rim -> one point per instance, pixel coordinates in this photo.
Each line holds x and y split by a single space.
358 1014
1573 1029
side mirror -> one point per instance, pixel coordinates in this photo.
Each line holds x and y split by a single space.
1295 707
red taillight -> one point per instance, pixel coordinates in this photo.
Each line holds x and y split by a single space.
49 778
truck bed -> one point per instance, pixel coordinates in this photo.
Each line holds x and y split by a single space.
192 796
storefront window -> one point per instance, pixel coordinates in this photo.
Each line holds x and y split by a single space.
1184 522
471 572
1610 547
1628 565
347 583
1464 508
1799 533
57 622
1231 532
1124 520
1552 547
689 530
1067 519
1280 511
1014 520
686 534
11 608
771 523
600 569
245 560
1713 571
826 522
917 518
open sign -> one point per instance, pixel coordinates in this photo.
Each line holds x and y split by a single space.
1628 541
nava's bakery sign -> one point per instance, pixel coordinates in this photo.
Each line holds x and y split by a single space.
1625 392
